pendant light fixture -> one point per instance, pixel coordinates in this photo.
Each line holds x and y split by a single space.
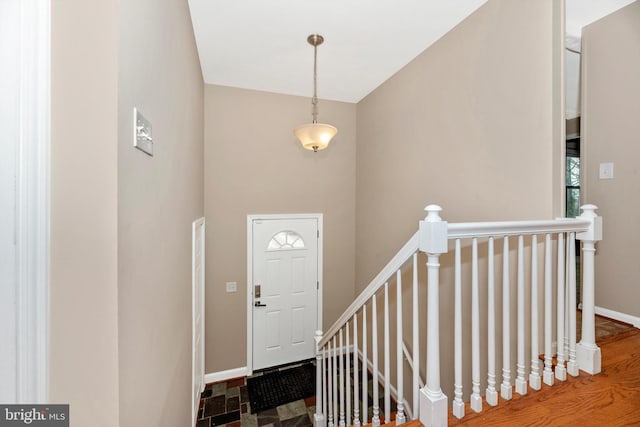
315 136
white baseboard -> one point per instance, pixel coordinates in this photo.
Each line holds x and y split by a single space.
615 315
215 377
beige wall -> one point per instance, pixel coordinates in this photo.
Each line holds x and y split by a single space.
254 165
454 127
121 221
610 133
158 199
467 125
84 262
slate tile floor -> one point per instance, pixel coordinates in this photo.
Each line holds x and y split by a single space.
227 404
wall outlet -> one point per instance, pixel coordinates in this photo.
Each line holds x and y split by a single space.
232 286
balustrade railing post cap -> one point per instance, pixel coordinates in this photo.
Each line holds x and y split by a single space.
433 213
433 232
594 233
318 336
588 210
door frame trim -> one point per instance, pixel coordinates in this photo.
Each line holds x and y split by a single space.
198 230
250 219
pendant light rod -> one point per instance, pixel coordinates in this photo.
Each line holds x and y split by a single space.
315 40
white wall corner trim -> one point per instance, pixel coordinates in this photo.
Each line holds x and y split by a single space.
197 314
616 315
32 234
215 377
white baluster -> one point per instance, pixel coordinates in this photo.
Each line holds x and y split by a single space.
319 415
415 357
365 386
587 352
561 371
330 386
348 375
458 403
534 375
547 375
400 417
572 365
324 383
375 419
505 387
433 241
341 375
521 381
356 398
567 271
335 381
491 394
387 388
476 399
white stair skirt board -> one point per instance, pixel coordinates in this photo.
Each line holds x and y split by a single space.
229 374
392 390
344 349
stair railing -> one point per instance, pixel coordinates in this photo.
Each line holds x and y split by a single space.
337 405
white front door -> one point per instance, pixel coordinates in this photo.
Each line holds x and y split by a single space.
285 287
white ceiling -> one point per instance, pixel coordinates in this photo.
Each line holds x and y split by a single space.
262 45
580 13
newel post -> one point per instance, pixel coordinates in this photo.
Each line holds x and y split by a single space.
433 241
587 352
319 420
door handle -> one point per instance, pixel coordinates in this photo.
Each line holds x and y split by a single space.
259 304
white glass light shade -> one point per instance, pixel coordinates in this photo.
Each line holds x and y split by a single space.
315 136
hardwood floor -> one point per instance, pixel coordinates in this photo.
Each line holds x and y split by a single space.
611 398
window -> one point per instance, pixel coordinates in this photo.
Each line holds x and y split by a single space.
572 191
286 240
572 181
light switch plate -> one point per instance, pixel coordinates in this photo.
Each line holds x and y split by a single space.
606 170
232 286
142 137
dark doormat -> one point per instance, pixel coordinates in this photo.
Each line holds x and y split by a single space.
277 388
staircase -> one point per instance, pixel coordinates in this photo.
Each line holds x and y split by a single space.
493 296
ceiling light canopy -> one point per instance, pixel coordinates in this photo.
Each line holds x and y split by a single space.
315 136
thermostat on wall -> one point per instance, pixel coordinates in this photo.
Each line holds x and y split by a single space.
142 138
